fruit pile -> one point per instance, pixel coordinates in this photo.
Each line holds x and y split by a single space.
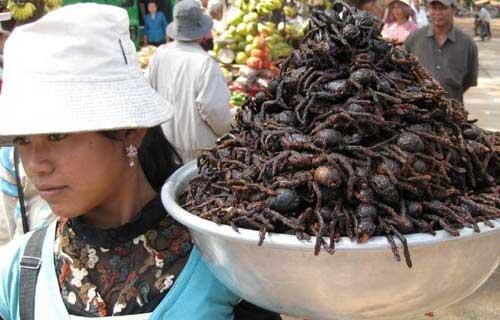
251 42
144 56
256 71
21 12
237 99
246 20
29 11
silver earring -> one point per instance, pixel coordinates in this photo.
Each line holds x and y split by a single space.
131 152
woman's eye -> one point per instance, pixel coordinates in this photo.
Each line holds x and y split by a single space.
19 141
57 136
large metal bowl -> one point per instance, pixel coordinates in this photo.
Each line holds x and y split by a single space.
360 281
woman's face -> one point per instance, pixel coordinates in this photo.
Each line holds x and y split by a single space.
367 6
74 173
398 10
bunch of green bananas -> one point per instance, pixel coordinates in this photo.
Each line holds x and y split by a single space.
290 11
52 4
265 7
21 12
238 3
238 98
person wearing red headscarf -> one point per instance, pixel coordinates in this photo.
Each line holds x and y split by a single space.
400 21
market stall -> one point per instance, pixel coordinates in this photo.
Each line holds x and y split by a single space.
252 38
250 41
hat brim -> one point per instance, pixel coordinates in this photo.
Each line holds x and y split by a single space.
71 107
401 1
206 24
444 3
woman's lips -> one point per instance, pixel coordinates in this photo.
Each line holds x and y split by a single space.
49 193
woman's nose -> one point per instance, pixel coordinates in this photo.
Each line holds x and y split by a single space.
36 162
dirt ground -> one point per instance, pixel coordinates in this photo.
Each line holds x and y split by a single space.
467 24
483 101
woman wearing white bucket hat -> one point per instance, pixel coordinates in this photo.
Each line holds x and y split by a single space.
400 21
86 124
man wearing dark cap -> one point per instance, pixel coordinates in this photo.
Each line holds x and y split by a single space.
370 6
447 52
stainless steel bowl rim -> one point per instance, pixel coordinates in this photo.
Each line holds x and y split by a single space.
291 242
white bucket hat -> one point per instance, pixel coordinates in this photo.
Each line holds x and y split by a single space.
75 70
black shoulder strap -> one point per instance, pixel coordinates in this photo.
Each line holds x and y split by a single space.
30 266
24 216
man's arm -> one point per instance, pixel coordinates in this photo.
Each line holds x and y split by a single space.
151 73
163 21
213 99
409 42
146 30
470 79
164 25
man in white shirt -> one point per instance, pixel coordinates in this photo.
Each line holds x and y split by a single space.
421 14
3 37
192 81
485 17
216 9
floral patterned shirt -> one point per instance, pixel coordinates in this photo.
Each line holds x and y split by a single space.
122 271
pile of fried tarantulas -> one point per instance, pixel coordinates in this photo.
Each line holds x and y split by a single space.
353 139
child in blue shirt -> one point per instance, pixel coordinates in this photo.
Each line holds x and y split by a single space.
155 25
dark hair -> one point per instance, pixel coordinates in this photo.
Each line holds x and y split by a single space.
157 156
358 3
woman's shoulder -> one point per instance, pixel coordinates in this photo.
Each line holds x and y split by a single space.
11 254
411 26
391 26
12 251
197 294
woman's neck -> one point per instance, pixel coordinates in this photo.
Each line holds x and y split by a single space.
400 21
122 207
